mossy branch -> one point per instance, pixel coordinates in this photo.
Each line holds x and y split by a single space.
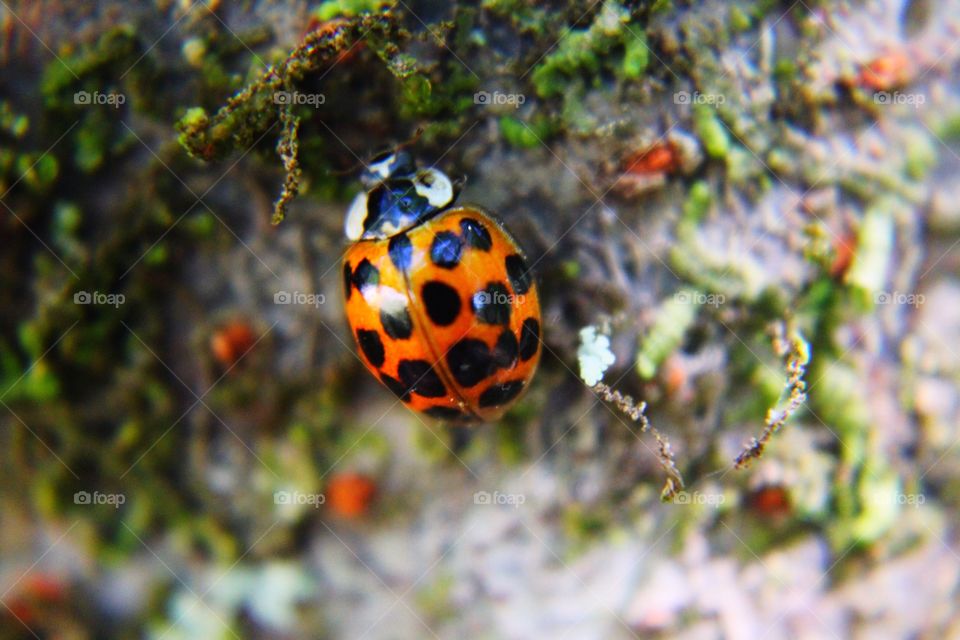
288 147
249 114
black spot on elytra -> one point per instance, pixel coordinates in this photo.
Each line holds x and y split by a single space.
520 276
529 338
491 304
470 361
396 386
445 413
505 350
365 275
397 325
475 234
446 249
401 252
500 394
371 346
419 377
441 301
347 280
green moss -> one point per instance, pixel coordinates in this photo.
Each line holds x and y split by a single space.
512 429
520 134
13 124
867 275
581 51
525 16
739 19
697 204
712 132
636 57
571 269
921 156
348 8
583 524
866 487
674 316
436 601
38 171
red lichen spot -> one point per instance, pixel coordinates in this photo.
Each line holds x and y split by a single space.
843 248
662 157
770 501
349 494
33 594
230 342
886 72
674 374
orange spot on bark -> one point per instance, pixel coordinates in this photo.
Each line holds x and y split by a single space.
349 494
230 342
886 72
660 158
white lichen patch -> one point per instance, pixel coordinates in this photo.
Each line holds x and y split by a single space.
594 355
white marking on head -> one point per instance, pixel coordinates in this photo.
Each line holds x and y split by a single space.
435 186
356 214
383 168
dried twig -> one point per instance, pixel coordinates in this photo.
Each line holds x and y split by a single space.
795 350
637 413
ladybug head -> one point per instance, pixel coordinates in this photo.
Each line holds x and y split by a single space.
399 201
395 163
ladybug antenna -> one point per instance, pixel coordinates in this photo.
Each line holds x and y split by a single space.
458 185
352 169
412 140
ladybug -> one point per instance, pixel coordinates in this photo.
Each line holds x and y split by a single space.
439 298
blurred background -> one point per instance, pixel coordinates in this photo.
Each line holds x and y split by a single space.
743 215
